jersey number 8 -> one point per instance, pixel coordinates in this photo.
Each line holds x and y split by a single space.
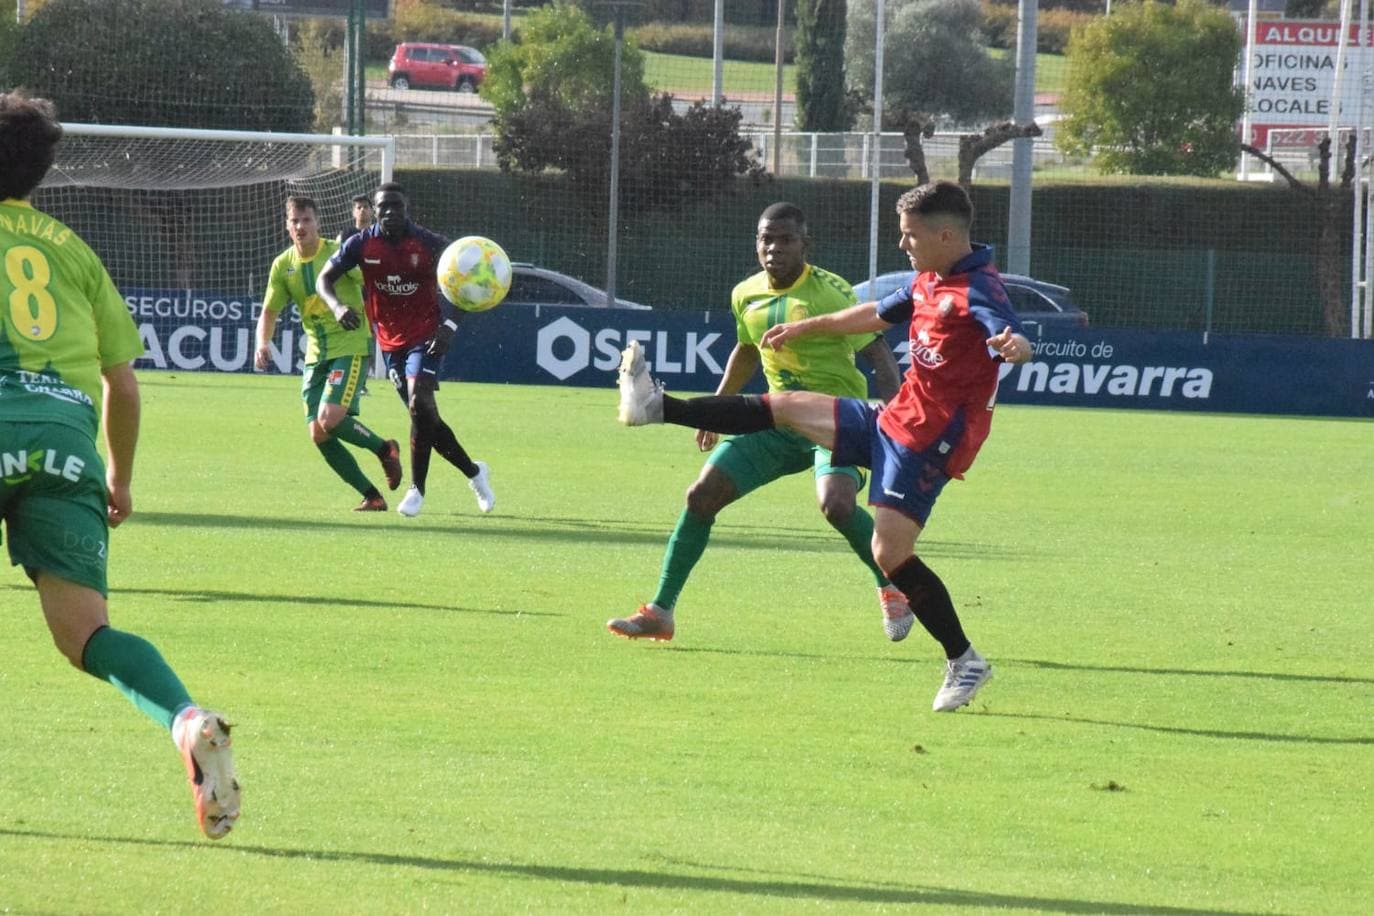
33 311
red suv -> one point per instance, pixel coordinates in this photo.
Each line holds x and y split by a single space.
421 65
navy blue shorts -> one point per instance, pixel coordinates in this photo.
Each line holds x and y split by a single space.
412 362
906 481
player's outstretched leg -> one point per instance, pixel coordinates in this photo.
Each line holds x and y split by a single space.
649 622
481 487
641 399
203 739
964 677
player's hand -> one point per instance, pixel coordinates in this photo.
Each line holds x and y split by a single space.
120 502
1011 347
348 319
706 440
779 334
263 358
438 344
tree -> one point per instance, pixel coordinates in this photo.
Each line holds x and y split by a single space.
1150 90
1330 211
171 63
821 99
935 62
552 98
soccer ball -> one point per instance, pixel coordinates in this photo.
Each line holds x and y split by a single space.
474 273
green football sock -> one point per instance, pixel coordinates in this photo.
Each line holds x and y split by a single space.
343 464
685 546
133 665
352 431
859 534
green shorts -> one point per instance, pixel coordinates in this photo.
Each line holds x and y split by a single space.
334 381
53 501
754 459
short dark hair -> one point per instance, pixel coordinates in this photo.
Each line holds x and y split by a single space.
29 134
782 210
363 199
301 202
939 198
390 186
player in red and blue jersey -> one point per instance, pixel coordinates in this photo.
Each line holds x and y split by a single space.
961 326
414 325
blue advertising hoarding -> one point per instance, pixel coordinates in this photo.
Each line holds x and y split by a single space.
1083 367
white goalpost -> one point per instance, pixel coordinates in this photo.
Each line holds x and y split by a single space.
188 222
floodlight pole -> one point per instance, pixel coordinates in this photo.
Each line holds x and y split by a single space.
777 95
875 176
613 209
1023 148
718 56
505 19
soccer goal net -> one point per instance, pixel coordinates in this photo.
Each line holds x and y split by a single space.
188 222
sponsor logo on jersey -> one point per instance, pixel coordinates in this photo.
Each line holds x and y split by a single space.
336 376
393 285
925 354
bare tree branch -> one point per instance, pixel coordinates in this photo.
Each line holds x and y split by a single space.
1277 166
918 125
973 146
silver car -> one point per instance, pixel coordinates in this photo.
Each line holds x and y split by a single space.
1037 303
532 285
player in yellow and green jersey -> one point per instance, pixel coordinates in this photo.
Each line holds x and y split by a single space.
788 288
336 357
67 345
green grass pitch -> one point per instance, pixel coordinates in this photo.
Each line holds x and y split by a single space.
431 717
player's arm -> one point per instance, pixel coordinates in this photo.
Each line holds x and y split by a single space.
121 438
992 309
339 263
449 316
273 302
887 377
267 325
1011 346
857 319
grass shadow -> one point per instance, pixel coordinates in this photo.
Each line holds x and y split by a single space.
1193 672
821 888
1177 730
580 530
210 596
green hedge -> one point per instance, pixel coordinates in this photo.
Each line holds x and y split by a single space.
1053 27
1136 254
741 42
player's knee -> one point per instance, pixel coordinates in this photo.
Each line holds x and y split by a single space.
707 496
889 557
318 433
838 509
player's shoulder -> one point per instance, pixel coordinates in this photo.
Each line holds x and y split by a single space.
751 286
830 284
985 287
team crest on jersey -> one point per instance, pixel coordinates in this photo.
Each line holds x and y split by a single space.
414 260
336 376
946 305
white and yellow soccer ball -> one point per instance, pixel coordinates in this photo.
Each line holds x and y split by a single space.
474 273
